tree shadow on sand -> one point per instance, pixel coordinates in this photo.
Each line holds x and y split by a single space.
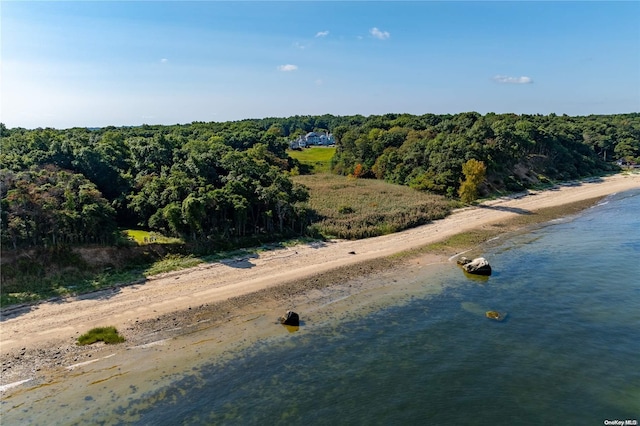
240 262
15 311
507 209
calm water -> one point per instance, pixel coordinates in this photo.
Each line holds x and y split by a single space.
567 353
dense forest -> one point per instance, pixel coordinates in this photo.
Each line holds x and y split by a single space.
214 182
428 152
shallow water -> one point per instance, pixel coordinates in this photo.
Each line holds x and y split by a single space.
567 352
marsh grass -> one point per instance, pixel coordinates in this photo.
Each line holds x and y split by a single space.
360 208
108 335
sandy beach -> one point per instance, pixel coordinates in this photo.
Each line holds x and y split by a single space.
40 339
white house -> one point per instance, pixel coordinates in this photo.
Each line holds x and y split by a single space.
313 138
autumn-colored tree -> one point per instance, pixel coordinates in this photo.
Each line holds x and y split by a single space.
358 171
474 172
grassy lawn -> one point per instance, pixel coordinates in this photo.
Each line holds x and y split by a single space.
319 158
360 208
146 237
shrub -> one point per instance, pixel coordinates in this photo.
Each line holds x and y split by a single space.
109 335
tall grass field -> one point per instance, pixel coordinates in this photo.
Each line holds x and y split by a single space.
360 208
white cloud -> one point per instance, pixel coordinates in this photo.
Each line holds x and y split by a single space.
300 46
164 60
382 35
513 80
287 67
319 82
322 33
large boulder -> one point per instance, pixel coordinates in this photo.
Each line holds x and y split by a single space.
477 266
290 318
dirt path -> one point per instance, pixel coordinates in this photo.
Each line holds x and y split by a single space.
58 324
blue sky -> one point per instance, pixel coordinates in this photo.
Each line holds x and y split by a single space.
99 63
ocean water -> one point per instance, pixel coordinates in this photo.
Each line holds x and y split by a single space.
568 351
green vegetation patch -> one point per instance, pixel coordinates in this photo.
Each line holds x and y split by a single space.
108 335
172 262
361 208
150 237
319 158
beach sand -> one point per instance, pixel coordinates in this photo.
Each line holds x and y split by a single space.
231 304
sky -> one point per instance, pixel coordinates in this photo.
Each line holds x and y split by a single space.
99 63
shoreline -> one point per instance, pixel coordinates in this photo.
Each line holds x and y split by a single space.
40 343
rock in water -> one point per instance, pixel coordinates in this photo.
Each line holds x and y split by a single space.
495 315
290 318
478 266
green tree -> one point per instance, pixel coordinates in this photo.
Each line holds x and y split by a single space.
48 206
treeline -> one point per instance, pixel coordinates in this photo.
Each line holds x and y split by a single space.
198 181
428 152
213 182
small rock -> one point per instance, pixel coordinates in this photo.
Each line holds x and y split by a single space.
290 318
495 315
